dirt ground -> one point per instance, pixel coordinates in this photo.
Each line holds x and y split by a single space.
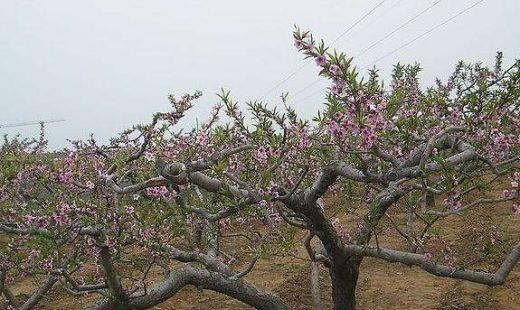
381 285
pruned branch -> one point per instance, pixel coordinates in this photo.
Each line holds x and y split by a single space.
246 270
40 292
474 203
423 262
433 140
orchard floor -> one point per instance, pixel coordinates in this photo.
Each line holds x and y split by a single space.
381 285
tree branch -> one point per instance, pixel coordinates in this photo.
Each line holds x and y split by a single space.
238 289
421 261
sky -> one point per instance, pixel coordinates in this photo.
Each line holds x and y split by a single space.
106 65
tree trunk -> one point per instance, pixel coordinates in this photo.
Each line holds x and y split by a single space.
315 286
344 278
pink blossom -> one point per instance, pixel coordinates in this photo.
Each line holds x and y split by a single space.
336 89
301 136
61 219
334 128
158 192
129 210
273 190
368 137
261 154
309 47
298 44
516 209
321 60
453 203
447 255
456 116
202 139
37 221
507 193
47 264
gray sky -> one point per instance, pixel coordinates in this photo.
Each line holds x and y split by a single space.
104 65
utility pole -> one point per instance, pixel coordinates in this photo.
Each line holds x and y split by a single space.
29 123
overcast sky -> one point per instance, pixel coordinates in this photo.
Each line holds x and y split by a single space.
104 65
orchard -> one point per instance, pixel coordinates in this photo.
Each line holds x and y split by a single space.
135 220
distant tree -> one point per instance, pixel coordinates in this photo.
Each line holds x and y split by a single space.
157 194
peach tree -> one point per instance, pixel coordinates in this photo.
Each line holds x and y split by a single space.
160 207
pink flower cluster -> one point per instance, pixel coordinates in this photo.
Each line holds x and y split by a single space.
337 87
321 60
516 209
129 210
263 153
301 136
202 139
64 211
349 127
305 43
456 116
453 202
273 190
65 176
508 193
36 221
159 192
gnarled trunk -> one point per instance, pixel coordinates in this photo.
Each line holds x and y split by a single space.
344 276
344 268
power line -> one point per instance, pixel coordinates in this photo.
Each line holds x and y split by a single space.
334 41
304 88
411 20
408 43
28 123
415 17
357 22
425 33
285 79
395 4
312 94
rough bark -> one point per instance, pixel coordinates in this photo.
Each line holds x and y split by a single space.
421 261
344 275
315 286
203 279
344 268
